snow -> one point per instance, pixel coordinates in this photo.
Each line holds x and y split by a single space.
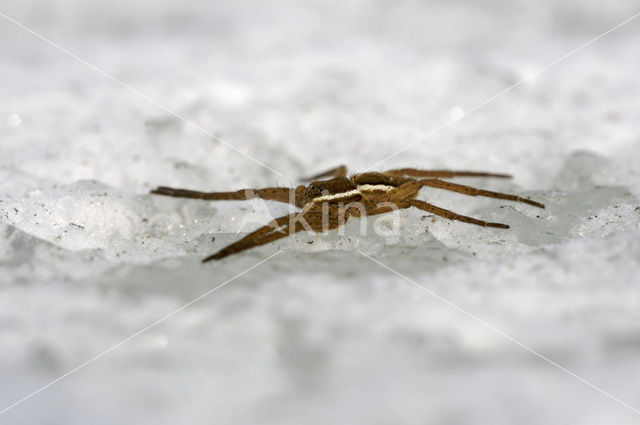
318 333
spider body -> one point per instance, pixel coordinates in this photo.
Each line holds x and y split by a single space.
331 198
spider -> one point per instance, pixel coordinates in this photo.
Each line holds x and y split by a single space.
331 198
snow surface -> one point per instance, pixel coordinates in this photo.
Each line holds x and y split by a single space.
319 334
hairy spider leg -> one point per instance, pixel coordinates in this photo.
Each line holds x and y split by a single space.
279 194
451 215
340 171
403 196
414 172
276 226
472 191
405 191
282 227
242 245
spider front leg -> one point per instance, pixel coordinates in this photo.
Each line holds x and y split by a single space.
279 194
414 172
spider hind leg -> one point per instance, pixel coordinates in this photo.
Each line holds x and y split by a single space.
472 191
339 171
414 172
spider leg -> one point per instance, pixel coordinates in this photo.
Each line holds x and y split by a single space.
402 192
387 208
414 172
280 228
275 225
451 215
280 194
340 171
242 245
472 191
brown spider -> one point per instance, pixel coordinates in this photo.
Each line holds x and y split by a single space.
328 204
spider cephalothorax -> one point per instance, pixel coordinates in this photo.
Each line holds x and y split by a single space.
335 188
327 204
